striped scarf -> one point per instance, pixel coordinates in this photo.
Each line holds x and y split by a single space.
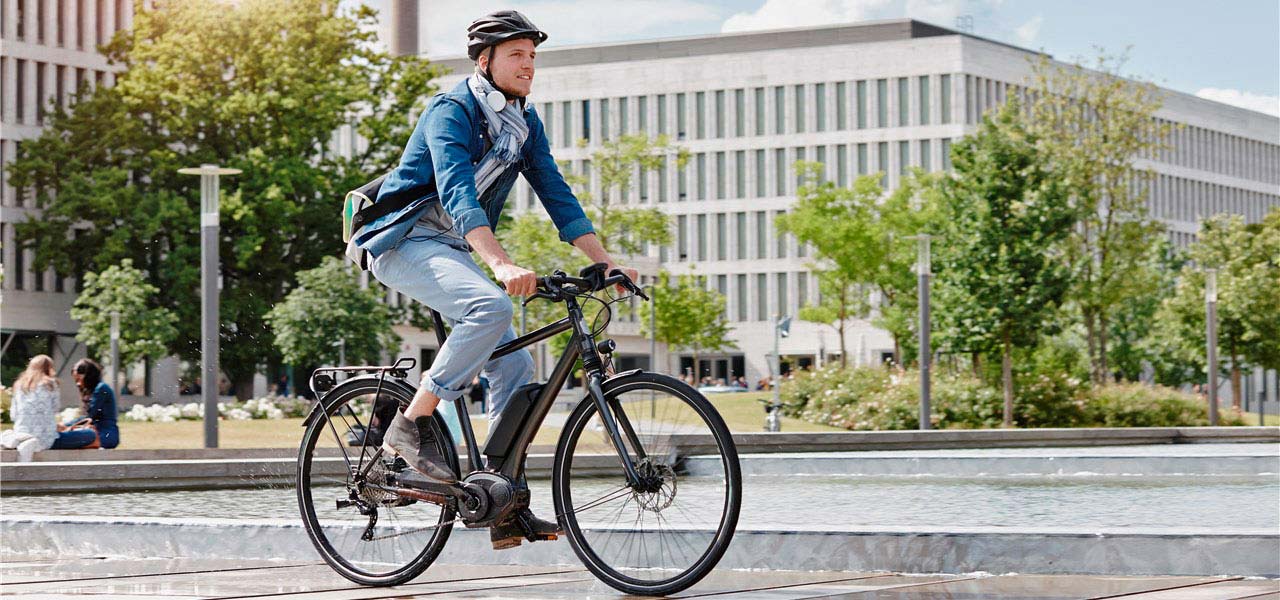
507 129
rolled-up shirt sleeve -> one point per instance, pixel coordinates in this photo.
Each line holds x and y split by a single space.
557 198
447 136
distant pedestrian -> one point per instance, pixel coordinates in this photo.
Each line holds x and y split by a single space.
35 409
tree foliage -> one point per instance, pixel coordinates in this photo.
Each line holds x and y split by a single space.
1002 273
259 85
1094 124
145 329
329 306
689 316
1247 260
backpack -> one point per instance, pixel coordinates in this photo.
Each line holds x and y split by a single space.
361 207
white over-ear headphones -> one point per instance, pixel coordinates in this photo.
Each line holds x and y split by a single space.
496 100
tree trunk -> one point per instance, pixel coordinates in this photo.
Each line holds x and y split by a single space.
1105 370
897 353
977 364
1006 373
1091 332
844 354
243 386
1235 382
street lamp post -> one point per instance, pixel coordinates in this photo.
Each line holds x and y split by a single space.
115 351
1211 339
781 329
923 268
209 174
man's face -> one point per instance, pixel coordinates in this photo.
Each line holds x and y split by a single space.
512 67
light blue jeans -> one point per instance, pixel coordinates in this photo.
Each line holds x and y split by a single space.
439 272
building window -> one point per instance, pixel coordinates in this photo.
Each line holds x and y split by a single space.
702 237
623 126
700 118
904 157
741 231
762 235
19 264
740 173
548 127
642 107
39 21
861 104
820 105
20 89
566 124
821 158
759 95
945 90
926 161
779 238
798 153
61 15
904 117
783 305
802 288
762 297
120 14
40 68
882 161
662 182
722 236
604 119
722 176
701 190
662 114
682 119
60 86
644 186
586 120
20 18
862 159
842 165
800 106
682 237
719 114
780 171
882 103
682 179
739 113
779 110
741 284
842 106
722 286
760 185
80 12
946 154
924 100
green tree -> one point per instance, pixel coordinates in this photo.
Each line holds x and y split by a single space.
1248 275
329 307
1094 124
1128 350
1003 274
689 316
615 164
260 85
862 241
838 300
145 329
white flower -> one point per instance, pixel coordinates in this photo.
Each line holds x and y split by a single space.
192 410
238 414
275 413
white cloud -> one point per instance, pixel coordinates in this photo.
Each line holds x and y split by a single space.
1259 102
777 14
1029 31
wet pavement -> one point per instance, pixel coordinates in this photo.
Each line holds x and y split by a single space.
105 578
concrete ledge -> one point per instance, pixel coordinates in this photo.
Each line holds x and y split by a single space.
841 441
954 550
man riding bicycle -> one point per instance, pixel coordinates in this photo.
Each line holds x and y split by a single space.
459 164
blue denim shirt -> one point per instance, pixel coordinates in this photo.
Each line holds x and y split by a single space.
102 409
440 161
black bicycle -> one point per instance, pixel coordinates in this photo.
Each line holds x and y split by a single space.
645 478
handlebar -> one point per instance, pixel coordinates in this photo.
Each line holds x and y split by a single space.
553 287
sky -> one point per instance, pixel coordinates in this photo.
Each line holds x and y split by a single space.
1226 50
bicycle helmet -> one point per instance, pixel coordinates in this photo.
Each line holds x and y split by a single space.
495 28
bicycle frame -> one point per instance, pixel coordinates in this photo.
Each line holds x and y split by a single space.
582 344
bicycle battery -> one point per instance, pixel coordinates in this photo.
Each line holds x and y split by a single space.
505 429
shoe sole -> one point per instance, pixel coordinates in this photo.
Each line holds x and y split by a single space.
393 452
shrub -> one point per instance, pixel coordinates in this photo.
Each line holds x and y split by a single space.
1141 405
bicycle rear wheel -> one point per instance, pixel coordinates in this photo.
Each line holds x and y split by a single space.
667 534
367 534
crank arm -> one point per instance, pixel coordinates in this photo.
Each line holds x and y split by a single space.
414 481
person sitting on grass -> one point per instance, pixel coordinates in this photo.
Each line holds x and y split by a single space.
100 411
35 409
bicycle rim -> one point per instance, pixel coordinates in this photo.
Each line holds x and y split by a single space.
406 536
665 538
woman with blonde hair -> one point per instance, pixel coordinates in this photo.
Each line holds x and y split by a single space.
35 408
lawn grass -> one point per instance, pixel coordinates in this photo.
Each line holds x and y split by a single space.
1251 418
744 414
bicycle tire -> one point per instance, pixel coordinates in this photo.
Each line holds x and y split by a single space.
582 543
338 398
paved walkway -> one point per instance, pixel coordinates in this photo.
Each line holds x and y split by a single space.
102 578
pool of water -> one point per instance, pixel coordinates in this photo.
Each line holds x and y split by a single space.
822 502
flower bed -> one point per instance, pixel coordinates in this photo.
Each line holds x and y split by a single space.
267 407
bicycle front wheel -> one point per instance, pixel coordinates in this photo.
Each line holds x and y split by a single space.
367 533
666 534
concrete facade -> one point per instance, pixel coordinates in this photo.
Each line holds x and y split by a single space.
866 98
48 51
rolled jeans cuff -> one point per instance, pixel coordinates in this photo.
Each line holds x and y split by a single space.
445 394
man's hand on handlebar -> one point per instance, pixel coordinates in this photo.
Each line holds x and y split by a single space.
518 281
631 274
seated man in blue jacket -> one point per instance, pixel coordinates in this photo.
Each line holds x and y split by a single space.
459 165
